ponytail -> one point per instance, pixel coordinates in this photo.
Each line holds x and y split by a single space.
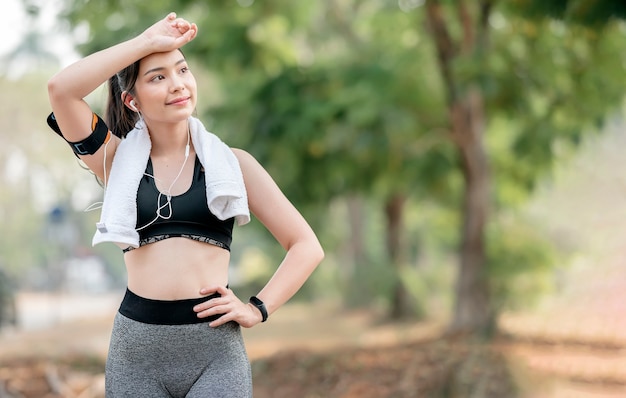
118 117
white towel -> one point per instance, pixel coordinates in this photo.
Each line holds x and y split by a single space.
225 189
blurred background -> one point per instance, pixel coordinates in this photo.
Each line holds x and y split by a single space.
461 162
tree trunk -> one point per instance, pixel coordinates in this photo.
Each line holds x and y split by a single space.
401 305
473 313
357 229
354 256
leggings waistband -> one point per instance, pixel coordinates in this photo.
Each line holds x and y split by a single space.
163 312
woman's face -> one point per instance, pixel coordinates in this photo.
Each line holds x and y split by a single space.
165 90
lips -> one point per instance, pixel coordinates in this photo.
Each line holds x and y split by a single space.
179 101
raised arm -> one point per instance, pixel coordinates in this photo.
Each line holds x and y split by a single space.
68 88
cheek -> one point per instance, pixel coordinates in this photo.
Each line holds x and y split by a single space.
191 81
193 88
150 95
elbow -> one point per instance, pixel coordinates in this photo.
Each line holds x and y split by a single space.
57 90
311 252
53 88
319 253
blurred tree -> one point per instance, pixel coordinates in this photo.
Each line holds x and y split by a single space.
300 87
37 172
548 65
455 101
337 108
33 52
8 310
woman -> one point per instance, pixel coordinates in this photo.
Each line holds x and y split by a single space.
177 333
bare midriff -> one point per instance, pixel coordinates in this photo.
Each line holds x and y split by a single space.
176 269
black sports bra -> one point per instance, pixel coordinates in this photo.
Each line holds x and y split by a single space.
190 214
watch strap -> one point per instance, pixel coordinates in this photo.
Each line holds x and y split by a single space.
255 301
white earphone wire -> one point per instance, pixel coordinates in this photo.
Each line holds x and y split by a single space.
98 205
168 191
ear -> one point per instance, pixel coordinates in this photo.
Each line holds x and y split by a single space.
130 101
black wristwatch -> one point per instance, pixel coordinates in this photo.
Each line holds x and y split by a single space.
260 305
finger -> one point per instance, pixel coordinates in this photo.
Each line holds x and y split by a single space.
193 31
206 313
214 310
181 25
221 300
171 16
187 37
222 290
205 291
207 305
203 310
221 320
198 308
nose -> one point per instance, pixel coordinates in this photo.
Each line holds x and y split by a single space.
177 83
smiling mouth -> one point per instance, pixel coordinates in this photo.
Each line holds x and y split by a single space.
178 101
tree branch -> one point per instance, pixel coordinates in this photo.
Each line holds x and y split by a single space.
446 49
486 6
465 19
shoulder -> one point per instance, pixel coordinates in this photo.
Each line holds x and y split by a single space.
256 178
241 153
246 160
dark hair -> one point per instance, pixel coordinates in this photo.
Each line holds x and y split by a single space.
118 117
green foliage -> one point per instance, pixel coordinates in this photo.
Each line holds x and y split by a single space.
342 98
39 172
431 286
593 13
23 172
520 262
549 103
342 133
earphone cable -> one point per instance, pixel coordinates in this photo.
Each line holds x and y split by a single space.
168 192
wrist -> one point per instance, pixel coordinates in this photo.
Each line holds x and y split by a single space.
255 312
143 45
260 306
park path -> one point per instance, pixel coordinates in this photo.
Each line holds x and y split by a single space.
574 346
578 338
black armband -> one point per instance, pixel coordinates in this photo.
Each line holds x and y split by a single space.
99 135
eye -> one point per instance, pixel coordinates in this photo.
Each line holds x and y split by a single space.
157 77
184 69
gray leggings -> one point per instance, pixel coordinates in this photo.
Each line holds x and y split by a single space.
172 361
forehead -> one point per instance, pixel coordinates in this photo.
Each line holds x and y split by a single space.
160 60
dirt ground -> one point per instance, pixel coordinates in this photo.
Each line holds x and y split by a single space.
346 354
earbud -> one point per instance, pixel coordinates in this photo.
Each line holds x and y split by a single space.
133 106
